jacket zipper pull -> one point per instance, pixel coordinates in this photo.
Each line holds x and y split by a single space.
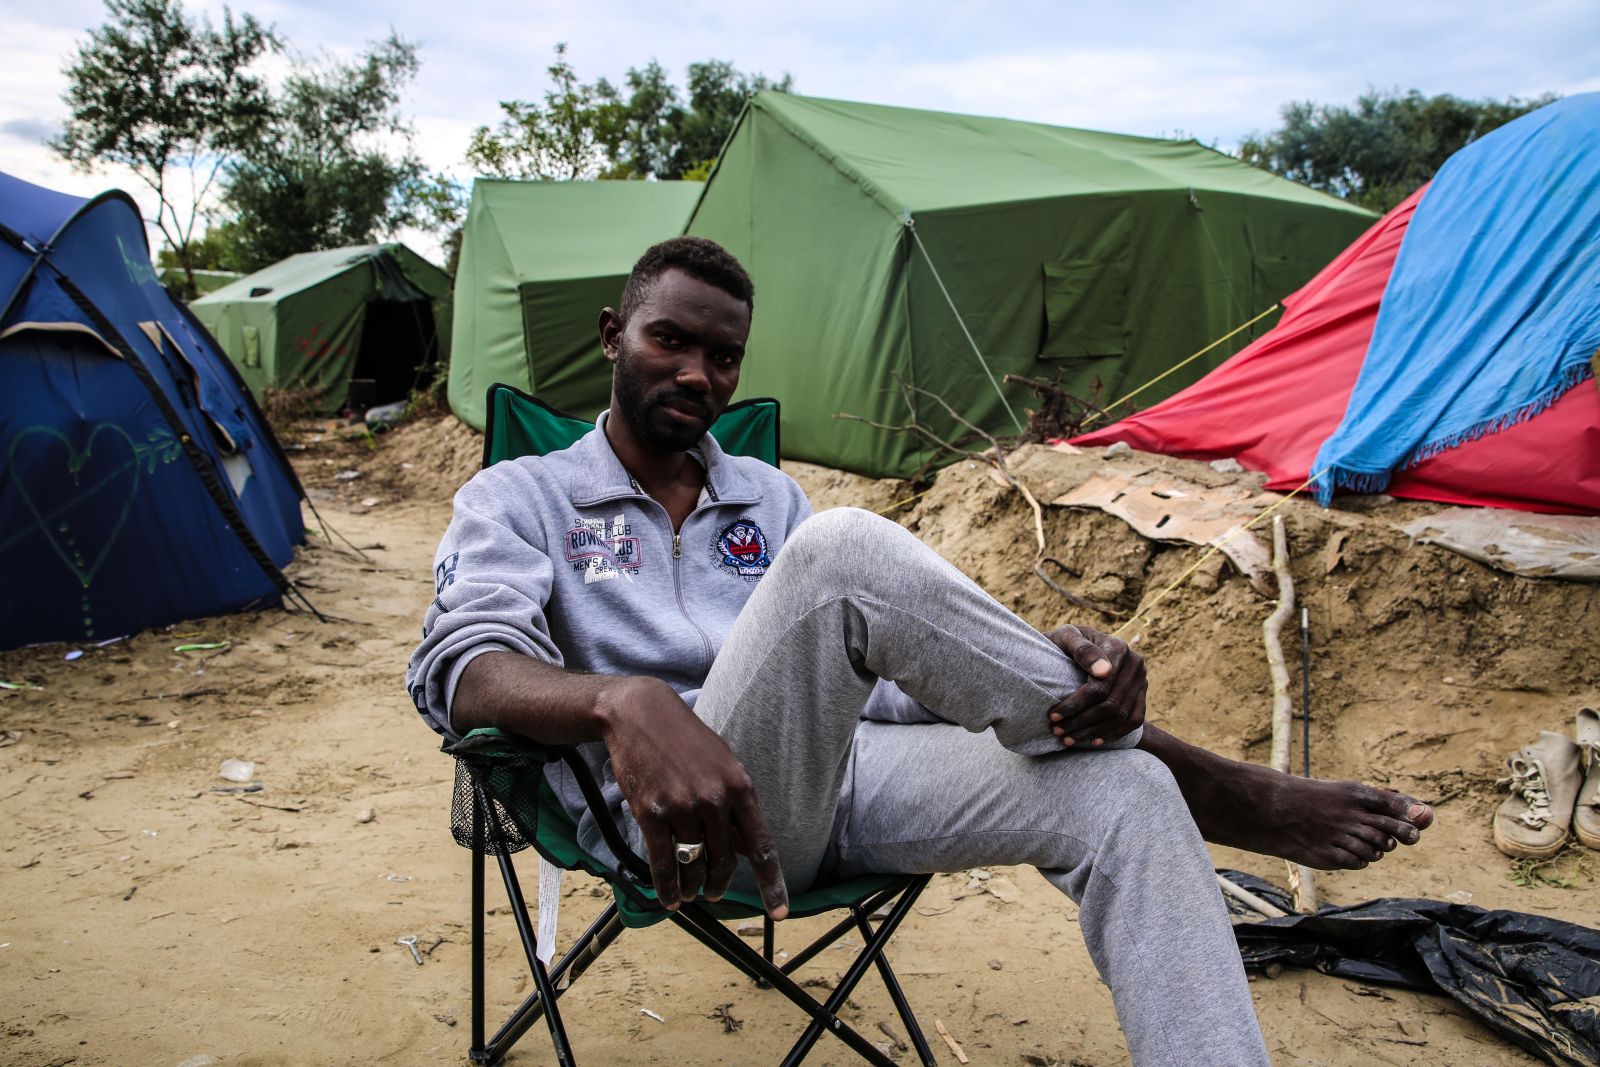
677 545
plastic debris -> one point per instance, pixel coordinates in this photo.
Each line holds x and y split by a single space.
651 1014
205 646
76 653
19 685
385 416
237 770
1529 977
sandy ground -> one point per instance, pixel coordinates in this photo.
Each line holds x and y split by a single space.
147 918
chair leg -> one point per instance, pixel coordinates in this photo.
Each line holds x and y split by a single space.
711 933
870 954
766 948
892 984
811 951
530 947
595 940
476 1053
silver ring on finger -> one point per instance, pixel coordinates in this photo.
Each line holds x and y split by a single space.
688 853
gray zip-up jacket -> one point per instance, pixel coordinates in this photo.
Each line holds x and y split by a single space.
562 557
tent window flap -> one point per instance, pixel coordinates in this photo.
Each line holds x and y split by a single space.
1085 308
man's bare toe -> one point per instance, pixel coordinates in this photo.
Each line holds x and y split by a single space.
1374 838
1409 810
1342 859
1401 831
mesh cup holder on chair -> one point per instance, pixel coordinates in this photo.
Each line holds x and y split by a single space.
505 780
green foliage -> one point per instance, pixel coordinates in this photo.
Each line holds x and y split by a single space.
159 92
216 249
717 93
1382 149
643 129
335 165
1568 869
553 141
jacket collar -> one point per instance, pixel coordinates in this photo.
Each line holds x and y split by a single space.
597 474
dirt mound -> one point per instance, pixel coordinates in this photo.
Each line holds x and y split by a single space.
1426 667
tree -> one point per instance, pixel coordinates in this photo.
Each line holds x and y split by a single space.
640 130
1381 150
161 93
717 93
335 164
553 142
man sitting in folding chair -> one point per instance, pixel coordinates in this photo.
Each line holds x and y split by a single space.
826 696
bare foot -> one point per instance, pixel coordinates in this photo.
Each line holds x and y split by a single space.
1327 825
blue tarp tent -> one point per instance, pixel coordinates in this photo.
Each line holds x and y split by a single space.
139 484
1492 312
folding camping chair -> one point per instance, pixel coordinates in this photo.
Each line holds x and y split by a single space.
503 804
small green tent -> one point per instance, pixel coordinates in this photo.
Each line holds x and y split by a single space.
373 315
538 262
205 281
891 243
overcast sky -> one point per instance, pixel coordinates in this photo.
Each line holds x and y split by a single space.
1218 71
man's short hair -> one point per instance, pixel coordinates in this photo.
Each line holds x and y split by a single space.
697 257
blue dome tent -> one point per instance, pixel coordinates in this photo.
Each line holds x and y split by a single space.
139 483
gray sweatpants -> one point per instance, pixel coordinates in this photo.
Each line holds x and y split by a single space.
853 599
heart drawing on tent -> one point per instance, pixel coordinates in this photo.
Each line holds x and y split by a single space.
93 483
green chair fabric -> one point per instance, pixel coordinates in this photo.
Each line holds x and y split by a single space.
522 425
507 761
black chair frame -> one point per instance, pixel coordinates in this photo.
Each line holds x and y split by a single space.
692 917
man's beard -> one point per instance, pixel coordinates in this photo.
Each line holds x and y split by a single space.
642 412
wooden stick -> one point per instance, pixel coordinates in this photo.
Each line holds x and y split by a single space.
1250 900
1300 876
960 1056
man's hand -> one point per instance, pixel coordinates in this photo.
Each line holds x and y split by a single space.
1110 703
686 786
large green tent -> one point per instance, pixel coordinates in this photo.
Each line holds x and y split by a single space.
374 315
538 262
945 251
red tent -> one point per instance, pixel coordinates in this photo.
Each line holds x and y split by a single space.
1272 405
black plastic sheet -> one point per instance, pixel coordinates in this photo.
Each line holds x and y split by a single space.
1533 979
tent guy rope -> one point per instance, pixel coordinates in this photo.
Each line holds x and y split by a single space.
1179 366
911 224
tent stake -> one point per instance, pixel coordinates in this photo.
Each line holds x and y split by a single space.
1305 692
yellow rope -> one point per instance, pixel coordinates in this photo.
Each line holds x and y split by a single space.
1179 366
1216 546
907 500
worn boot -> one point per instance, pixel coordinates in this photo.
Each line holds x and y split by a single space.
1532 822
1586 816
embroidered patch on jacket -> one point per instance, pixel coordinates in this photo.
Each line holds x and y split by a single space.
742 548
602 550
445 573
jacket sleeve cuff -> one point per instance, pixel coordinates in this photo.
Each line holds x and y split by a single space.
453 678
